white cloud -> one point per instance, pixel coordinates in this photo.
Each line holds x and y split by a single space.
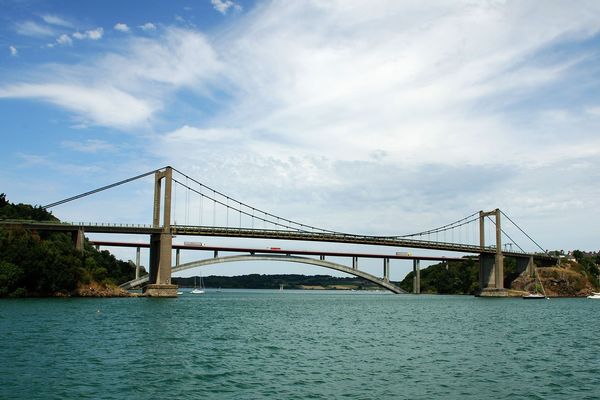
124 90
13 50
89 146
64 39
103 105
121 27
56 20
398 77
94 34
595 111
33 29
223 6
190 134
179 58
148 26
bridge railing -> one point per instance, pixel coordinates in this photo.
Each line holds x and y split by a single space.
8 221
332 237
283 234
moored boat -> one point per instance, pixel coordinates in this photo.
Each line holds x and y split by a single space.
536 295
198 290
533 296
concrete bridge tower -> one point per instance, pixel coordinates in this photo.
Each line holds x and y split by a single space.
161 244
491 266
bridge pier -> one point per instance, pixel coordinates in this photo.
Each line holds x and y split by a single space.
78 237
491 266
354 262
526 264
137 263
161 244
386 269
416 277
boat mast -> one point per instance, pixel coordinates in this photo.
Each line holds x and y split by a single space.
538 278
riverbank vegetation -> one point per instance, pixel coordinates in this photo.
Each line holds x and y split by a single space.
47 264
289 281
577 276
450 277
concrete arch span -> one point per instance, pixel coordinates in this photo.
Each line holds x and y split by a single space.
273 257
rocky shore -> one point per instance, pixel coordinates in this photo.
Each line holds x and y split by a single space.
560 281
96 289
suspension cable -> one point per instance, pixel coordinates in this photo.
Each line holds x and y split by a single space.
444 227
506 234
522 231
79 196
215 202
216 192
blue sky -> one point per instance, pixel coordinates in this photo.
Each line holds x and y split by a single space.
377 117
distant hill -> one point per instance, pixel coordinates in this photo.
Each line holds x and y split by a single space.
291 281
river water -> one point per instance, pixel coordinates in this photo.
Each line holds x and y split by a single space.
300 345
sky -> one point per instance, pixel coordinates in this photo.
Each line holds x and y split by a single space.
370 117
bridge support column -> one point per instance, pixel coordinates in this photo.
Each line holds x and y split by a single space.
354 262
78 239
491 266
386 269
161 244
416 277
526 265
177 257
137 263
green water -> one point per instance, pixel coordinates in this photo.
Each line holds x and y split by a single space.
300 345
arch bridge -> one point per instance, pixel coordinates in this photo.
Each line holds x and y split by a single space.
286 255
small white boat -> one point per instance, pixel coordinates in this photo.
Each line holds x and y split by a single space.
594 295
536 295
179 293
198 290
533 296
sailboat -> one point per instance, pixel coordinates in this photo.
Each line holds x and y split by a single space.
198 290
536 295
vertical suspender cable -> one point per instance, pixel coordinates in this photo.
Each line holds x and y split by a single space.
174 206
187 201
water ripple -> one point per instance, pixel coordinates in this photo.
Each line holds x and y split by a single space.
304 345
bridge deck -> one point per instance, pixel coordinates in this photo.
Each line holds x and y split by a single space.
392 241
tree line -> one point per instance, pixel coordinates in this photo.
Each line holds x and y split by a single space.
36 263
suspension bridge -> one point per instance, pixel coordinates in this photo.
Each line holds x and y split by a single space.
216 214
